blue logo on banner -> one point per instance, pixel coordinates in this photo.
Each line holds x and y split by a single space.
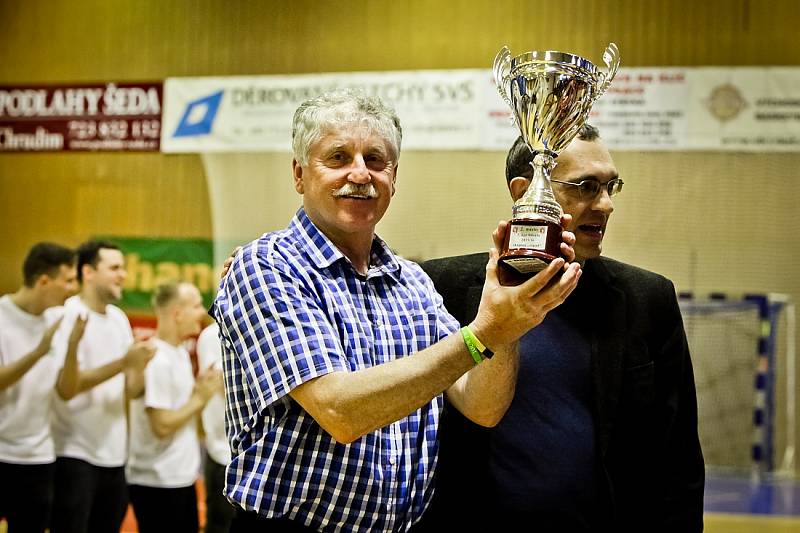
199 116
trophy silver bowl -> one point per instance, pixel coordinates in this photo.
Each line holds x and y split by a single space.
550 94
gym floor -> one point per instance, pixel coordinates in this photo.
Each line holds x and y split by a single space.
736 504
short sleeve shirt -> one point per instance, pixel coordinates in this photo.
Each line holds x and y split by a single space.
172 461
25 405
92 426
293 308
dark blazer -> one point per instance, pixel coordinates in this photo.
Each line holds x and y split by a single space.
645 409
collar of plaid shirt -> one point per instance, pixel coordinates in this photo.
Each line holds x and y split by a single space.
323 253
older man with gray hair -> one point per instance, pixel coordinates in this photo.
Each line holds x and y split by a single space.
337 352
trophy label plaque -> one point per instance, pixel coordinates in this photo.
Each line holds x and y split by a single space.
527 243
550 95
523 236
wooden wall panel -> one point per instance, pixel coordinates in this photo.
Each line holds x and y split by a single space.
150 39
70 196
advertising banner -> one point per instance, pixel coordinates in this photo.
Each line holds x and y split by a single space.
745 109
653 108
150 262
438 109
644 109
90 117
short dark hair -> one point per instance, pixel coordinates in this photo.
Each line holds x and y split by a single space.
89 254
45 258
519 156
165 293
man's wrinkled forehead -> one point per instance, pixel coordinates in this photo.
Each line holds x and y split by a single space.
344 135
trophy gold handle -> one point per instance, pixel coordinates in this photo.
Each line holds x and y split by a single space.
611 59
502 65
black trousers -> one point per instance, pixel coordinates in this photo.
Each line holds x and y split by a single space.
219 511
26 496
88 498
158 509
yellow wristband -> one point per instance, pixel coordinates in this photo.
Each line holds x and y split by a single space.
476 348
486 352
482 348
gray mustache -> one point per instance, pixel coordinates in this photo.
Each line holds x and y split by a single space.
366 190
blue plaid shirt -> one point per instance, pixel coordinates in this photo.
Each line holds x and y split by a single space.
292 308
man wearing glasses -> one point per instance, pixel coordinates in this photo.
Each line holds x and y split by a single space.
602 432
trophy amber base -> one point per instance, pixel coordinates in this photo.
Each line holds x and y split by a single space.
530 245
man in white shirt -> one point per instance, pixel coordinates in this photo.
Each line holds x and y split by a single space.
219 511
165 451
101 365
28 320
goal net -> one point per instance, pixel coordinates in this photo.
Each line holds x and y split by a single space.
743 357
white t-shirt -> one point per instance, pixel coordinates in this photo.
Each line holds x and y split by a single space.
92 425
25 406
209 352
175 460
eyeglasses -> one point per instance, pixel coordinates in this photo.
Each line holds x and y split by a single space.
590 188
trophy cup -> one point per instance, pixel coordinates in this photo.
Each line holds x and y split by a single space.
550 95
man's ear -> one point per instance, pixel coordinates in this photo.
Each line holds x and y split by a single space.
177 312
297 173
86 271
42 280
394 178
518 186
